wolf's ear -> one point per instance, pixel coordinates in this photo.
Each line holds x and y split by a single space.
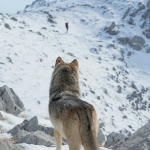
58 61
75 63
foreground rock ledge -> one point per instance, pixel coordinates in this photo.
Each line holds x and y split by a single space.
140 140
8 146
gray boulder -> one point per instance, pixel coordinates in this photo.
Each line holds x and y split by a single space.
8 146
131 21
147 33
13 18
148 50
146 14
10 102
136 42
38 138
123 40
111 30
113 138
140 140
31 126
7 26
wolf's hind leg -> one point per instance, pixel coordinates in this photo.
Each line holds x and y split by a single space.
58 139
71 126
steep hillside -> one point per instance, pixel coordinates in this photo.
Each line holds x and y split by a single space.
110 39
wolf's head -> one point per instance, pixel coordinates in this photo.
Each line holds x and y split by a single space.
65 78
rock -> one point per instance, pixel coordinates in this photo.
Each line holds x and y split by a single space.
111 29
13 18
38 138
94 50
101 138
148 5
31 126
143 24
141 7
44 28
147 33
148 50
113 138
136 42
39 33
51 20
8 146
123 40
129 54
11 102
98 97
146 14
2 105
130 21
20 134
126 13
140 140
134 86
119 89
7 26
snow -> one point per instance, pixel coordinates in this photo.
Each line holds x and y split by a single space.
35 147
33 57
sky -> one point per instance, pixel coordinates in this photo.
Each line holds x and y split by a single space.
13 6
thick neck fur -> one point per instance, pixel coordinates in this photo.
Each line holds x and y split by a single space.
64 82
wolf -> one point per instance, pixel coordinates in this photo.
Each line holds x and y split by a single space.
72 118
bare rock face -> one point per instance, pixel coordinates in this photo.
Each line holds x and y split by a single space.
136 42
113 138
10 102
140 140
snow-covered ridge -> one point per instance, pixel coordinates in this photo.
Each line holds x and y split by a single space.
113 76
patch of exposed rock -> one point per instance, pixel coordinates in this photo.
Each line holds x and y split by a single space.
135 42
140 140
9 101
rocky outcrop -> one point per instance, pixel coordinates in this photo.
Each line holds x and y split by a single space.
135 42
111 29
31 132
140 140
30 126
9 101
113 138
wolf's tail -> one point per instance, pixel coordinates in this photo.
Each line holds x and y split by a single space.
89 128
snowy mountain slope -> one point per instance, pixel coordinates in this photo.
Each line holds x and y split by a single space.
113 77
